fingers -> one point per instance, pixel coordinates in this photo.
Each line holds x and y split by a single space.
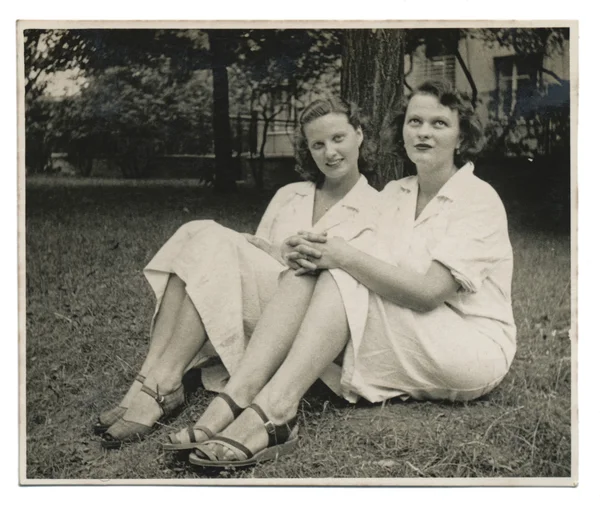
303 253
306 268
290 259
308 251
313 237
307 265
294 241
306 238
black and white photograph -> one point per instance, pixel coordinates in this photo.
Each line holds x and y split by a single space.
298 253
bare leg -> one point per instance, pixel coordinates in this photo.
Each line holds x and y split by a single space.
322 336
162 331
165 376
268 347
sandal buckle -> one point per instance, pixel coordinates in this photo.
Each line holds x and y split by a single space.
270 427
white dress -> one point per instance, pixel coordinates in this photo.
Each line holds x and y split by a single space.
230 281
462 349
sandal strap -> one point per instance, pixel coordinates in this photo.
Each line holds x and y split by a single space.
141 378
191 435
209 433
278 434
161 400
231 443
235 409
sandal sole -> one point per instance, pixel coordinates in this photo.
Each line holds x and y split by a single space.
272 453
100 428
111 445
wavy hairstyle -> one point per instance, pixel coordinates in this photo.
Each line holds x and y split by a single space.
305 164
471 130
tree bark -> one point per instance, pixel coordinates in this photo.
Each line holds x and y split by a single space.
224 168
373 78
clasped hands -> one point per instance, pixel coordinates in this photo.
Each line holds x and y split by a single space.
304 252
308 252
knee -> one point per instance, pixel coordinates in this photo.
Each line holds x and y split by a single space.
196 226
326 282
328 295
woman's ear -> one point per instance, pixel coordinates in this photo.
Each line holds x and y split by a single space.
360 135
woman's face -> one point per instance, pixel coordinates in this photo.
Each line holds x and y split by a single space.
334 145
431 132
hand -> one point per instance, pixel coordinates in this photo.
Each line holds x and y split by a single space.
331 253
258 242
296 249
264 245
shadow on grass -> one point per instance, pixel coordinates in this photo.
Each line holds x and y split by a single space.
88 313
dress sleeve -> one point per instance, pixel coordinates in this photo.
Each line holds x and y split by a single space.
266 223
475 241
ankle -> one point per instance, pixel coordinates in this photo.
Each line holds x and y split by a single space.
279 409
165 381
242 395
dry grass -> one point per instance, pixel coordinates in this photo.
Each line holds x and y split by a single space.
88 312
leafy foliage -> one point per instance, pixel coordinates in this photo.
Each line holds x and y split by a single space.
148 90
133 113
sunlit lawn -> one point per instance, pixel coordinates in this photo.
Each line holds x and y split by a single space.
88 313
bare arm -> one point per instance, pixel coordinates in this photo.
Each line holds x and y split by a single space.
401 285
398 284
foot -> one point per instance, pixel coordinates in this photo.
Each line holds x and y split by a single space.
134 389
143 408
110 416
139 419
217 416
249 430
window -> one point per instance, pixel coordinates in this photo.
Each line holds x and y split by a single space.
516 81
437 67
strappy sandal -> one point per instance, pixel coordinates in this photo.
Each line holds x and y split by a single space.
282 441
125 431
110 416
176 444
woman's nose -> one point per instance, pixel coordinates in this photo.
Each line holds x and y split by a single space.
329 149
424 131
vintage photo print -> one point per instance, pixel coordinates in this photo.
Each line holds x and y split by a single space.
298 253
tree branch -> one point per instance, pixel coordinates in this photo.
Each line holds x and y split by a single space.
561 81
468 75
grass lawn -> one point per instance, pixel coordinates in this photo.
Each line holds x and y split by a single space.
88 314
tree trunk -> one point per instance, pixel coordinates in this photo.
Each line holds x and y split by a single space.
373 78
224 168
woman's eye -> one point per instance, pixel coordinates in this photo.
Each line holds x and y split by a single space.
338 138
316 146
413 121
440 123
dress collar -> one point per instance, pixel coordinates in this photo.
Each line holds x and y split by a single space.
450 190
353 199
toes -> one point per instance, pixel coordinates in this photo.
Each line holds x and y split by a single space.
229 455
